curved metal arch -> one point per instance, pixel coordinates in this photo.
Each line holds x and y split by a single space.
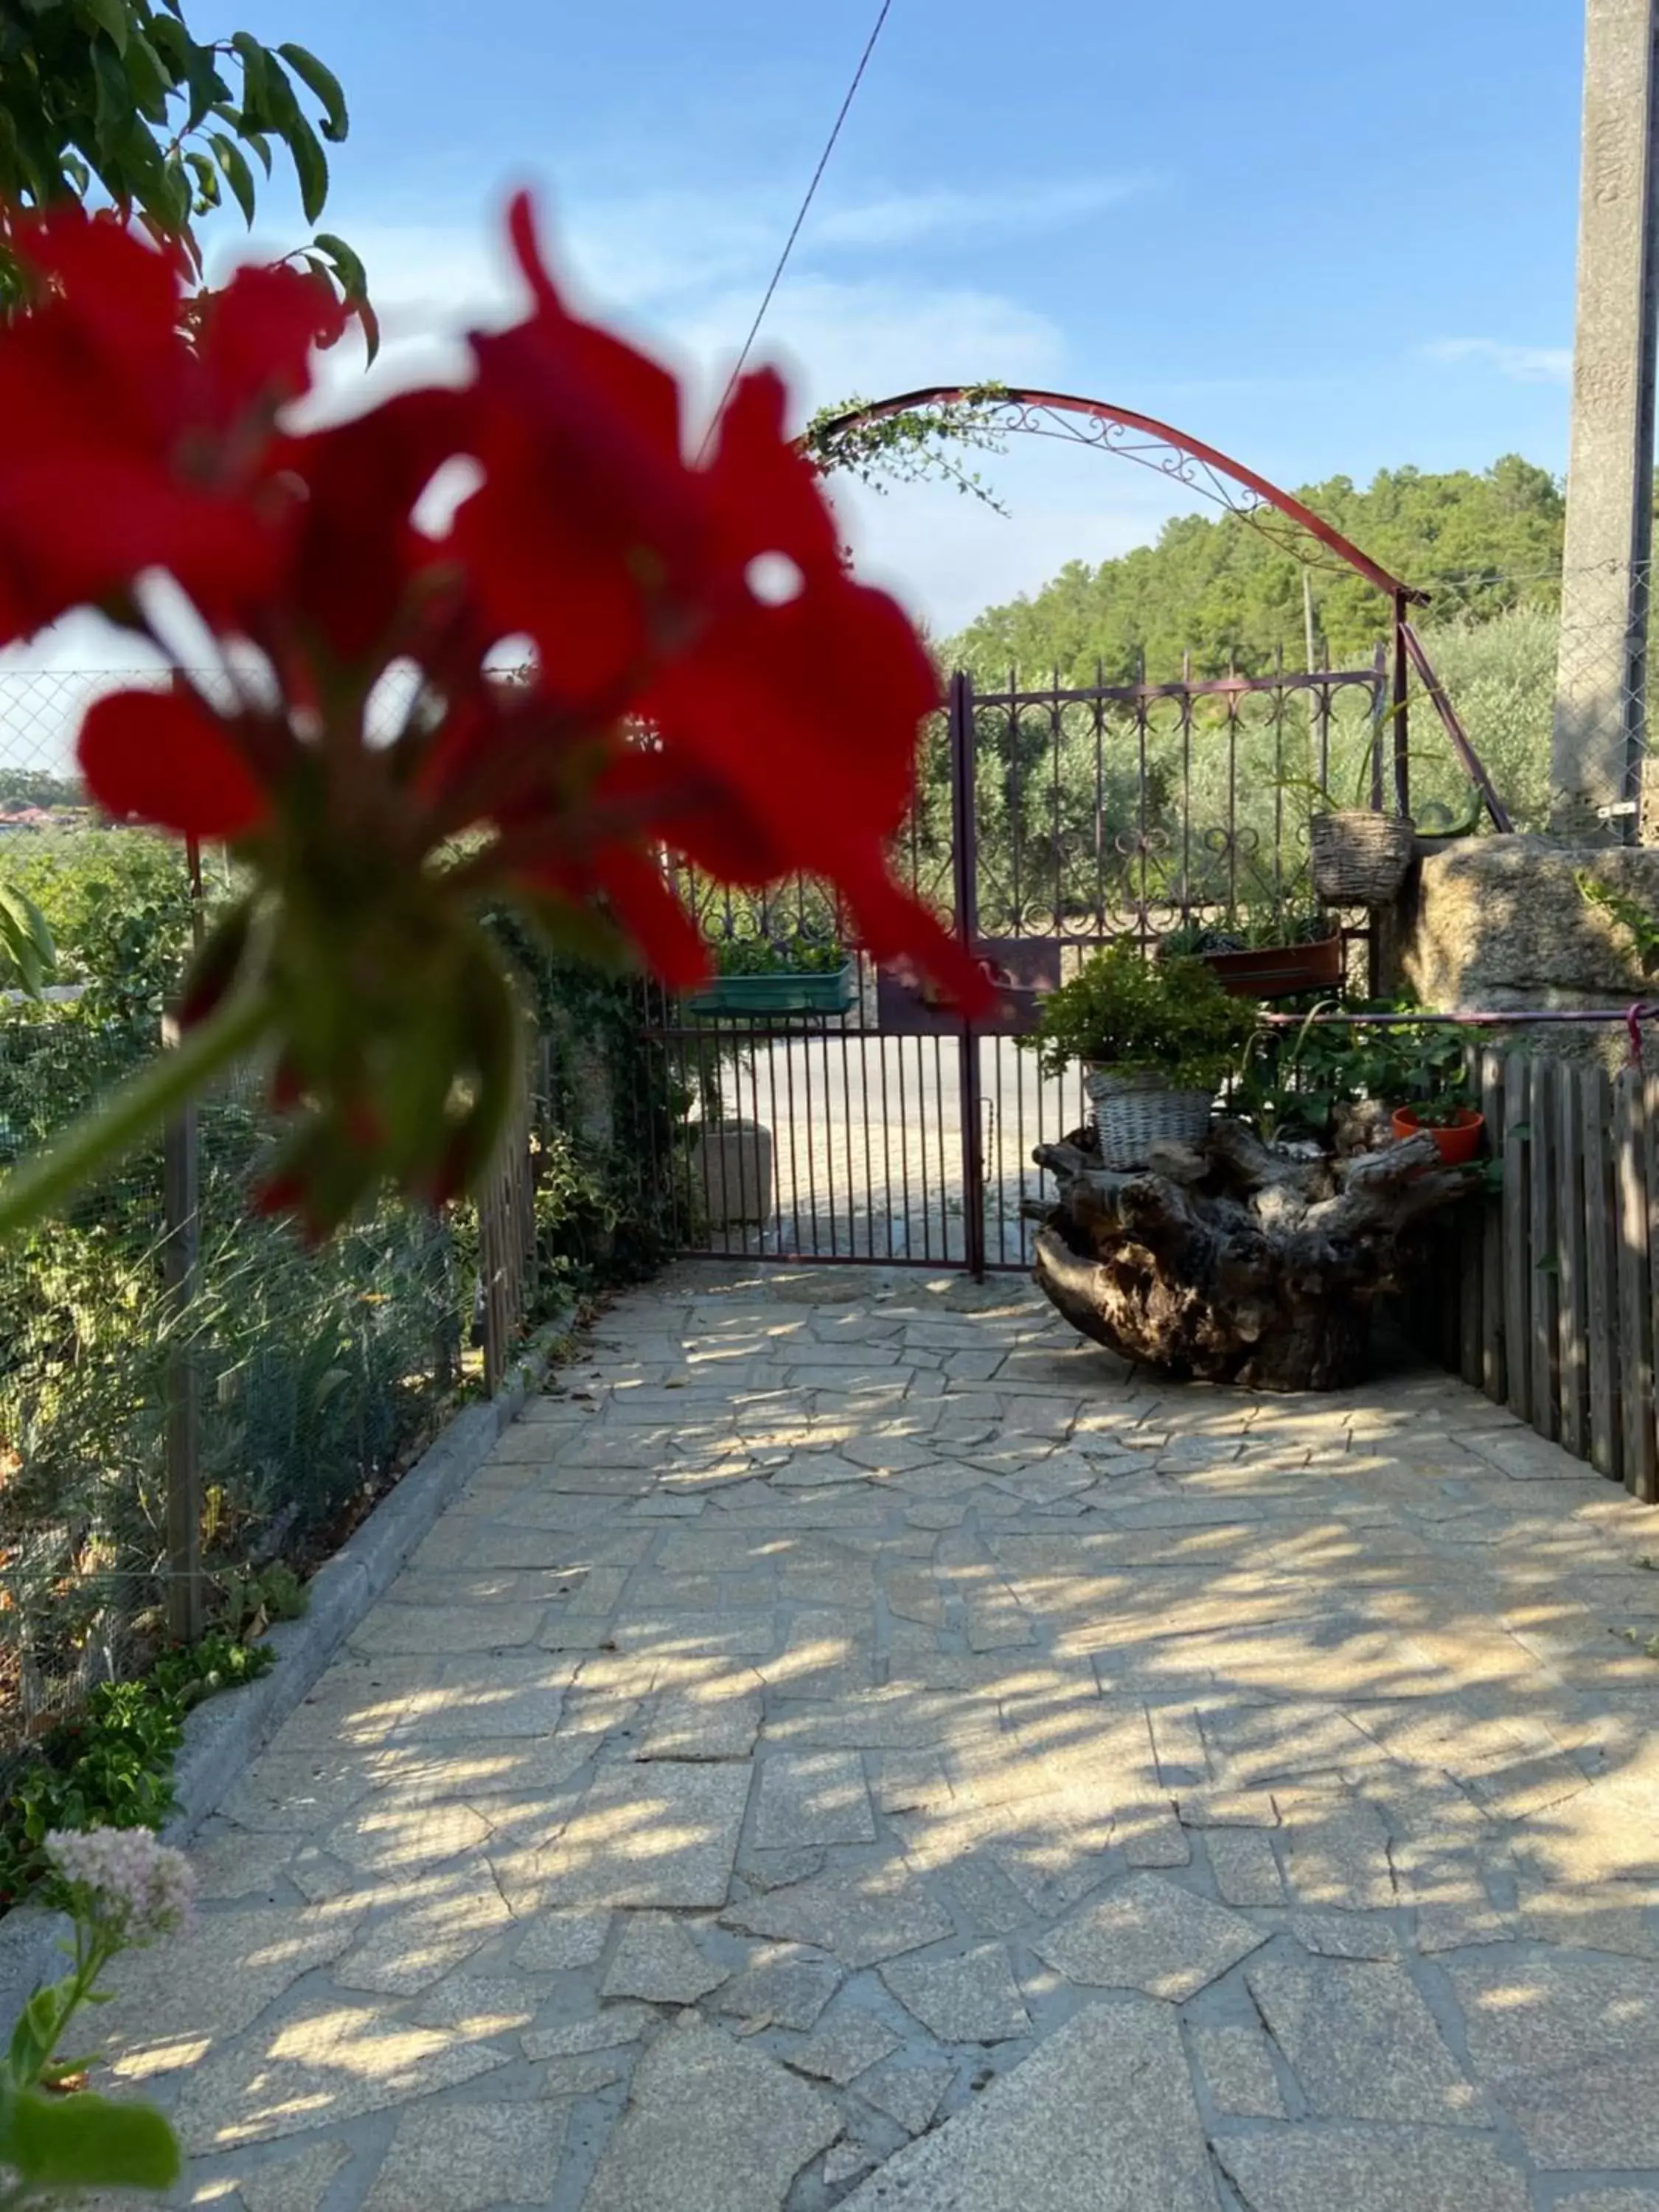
1189 460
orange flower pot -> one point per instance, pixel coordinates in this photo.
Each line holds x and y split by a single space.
1459 1141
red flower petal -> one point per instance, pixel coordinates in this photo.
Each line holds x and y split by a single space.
355 550
162 756
255 339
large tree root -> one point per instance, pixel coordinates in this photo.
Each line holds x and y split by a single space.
1233 1263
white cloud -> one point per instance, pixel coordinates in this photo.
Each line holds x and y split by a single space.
1518 364
902 218
948 556
831 336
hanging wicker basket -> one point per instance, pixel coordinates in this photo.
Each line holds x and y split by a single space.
1359 857
1136 1109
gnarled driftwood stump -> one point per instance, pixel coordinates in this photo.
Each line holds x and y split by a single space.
1234 1263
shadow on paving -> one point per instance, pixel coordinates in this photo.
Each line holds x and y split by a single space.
855 1744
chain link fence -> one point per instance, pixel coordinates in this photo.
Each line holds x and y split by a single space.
1524 655
273 1389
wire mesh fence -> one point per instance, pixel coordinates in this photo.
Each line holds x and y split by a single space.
276 1389
314 1376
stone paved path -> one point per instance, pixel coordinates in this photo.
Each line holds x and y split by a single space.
853 1743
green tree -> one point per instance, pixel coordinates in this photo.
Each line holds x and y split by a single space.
1230 595
117 102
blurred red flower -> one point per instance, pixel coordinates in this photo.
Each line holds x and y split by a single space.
708 680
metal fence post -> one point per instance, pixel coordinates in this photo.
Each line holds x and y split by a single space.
965 855
179 1255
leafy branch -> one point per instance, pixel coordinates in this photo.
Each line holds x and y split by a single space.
117 100
912 445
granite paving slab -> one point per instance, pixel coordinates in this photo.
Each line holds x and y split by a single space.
858 1744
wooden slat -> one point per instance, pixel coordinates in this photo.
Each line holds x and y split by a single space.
1471 1246
1470 1243
1491 1255
1517 1258
1600 1277
1570 1252
1634 1213
1541 1232
1650 1178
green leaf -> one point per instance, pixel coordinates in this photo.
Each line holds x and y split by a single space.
310 166
257 73
354 282
32 2038
349 273
151 80
324 85
207 180
109 16
235 171
27 954
85 2141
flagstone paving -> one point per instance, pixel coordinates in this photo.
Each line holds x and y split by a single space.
855 1744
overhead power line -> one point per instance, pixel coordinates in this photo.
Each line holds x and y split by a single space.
805 205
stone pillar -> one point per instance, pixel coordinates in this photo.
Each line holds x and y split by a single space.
1599 731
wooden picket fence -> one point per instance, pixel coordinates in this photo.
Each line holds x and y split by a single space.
1549 1302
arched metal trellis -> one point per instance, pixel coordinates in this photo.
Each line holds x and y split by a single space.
1228 484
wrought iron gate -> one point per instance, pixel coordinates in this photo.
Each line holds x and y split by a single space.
872 1125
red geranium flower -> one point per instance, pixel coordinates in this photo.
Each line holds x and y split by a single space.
131 445
709 681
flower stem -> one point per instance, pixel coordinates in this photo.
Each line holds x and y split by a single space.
41 1183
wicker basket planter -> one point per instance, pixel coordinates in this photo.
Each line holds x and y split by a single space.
1135 1109
1359 857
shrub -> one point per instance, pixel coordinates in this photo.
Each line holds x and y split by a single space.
1123 1011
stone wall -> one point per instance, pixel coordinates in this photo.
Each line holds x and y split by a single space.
1491 923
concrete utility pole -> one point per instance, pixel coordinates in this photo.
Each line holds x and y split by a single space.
1600 732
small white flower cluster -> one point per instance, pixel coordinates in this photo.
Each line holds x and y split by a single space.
135 1887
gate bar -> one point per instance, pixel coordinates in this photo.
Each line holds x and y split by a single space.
965 855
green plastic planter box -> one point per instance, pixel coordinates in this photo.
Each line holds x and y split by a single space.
785 991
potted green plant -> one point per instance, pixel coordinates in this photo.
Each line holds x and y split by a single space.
1278 951
1296 1081
764 977
1431 1073
1359 854
1154 1038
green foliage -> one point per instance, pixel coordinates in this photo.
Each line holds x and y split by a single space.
1231 596
609 1216
795 955
118 100
250 1599
117 904
1294 1081
29 787
112 1766
1123 1011
1250 928
1499 674
317 1372
27 955
1639 922
911 447
83 2142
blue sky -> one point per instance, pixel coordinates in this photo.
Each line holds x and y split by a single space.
1327 237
